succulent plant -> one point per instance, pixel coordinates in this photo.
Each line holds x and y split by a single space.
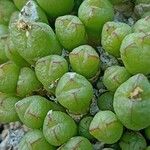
32 110
132 102
94 14
7 8
114 76
77 143
75 74
58 127
3 43
105 101
33 40
147 132
85 61
84 125
19 81
70 31
135 50
142 25
50 69
132 141
31 11
13 55
27 82
55 8
112 35
20 3
34 140
7 108
9 73
74 92
106 127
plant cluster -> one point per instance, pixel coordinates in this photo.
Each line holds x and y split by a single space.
52 74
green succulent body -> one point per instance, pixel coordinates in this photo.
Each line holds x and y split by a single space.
32 110
58 128
70 31
74 92
27 82
84 125
94 14
105 101
132 102
135 53
19 81
34 40
55 8
106 127
20 3
114 76
142 25
132 141
77 143
9 73
34 140
112 35
85 61
50 69
13 55
6 9
3 43
7 108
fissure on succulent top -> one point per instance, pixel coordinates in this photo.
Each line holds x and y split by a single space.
76 73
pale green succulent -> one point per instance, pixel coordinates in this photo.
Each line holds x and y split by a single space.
7 7
106 127
3 43
135 53
32 110
49 70
132 141
94 14
70 31
85 61
133 96
33 40
34 140
78 143
74 92
114 76
16 80
55 8
58 127
7 108
20 3
113 34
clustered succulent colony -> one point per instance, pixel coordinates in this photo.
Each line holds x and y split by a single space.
53 79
